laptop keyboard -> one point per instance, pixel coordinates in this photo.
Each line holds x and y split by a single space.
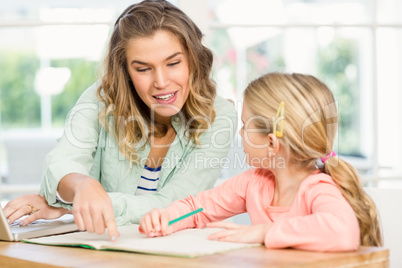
35 223
43 227
34 226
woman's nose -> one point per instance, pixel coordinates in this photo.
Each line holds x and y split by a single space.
161 79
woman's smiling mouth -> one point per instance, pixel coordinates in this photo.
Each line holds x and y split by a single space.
168 98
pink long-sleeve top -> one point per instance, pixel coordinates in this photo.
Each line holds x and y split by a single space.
319 219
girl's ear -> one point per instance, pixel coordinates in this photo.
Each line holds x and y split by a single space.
273 143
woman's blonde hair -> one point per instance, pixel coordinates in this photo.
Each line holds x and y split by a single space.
132 118
309 130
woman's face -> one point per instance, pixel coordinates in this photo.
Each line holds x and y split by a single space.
158 68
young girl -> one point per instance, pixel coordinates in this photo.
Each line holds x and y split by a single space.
299 194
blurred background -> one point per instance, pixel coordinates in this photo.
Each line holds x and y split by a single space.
50 53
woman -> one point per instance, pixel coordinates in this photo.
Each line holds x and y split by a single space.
146 135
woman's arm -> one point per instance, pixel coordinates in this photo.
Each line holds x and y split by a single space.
92 210
75 150
72 173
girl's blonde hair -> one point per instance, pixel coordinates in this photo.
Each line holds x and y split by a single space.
132 118
309 130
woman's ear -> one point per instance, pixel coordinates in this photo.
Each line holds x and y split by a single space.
273 143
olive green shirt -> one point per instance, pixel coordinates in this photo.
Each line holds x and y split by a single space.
87 148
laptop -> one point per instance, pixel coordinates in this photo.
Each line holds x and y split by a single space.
14 232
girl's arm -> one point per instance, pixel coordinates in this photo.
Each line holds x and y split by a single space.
219 203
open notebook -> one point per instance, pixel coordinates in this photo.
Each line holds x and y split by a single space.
186 243
38 228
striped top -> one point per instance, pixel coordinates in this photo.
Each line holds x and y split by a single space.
148 181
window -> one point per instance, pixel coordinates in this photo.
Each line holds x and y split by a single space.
351 45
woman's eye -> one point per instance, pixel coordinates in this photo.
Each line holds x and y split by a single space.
142 69
174 63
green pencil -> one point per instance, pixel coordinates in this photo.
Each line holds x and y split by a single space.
185 216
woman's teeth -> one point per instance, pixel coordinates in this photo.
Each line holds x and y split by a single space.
165 97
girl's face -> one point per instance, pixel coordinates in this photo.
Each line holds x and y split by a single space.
158 68
255 141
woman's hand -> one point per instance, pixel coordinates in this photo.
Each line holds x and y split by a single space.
155 223
33 205
93 209
239 233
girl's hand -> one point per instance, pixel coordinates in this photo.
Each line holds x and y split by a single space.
93 209
33 205
155 223
239 233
